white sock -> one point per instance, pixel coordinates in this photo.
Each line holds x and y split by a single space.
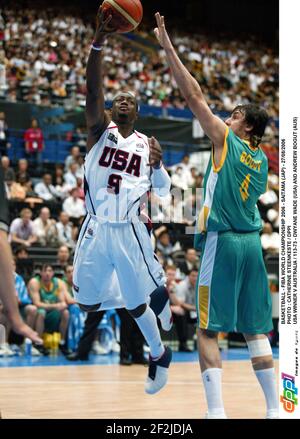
212 380
267 380
148 325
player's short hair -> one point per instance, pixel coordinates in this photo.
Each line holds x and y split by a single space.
45 266
129 93
192 271
257 117
170 267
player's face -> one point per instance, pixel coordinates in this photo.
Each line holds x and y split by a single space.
124 109
69 274
193 277
47 274
238 124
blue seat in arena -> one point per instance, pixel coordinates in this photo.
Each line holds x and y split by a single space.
58 129
45 114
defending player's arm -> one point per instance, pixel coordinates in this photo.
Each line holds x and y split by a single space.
214 127
159 177
96 118
7 287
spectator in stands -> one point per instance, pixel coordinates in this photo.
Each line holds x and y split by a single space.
27 310
46 229
34 142
9 173
70 177
80 170
73 205
22 173
4 143
193 179
186 170
58 182
59 175
68 281
80 188
72 158
164 243
21 253
22 229
63 256
47 293
15 191
66 231
171 273
178 312
270 240
273 217
269 198
47 77
183 300
198 181
46 190
273 180
190 261
24 264
178 179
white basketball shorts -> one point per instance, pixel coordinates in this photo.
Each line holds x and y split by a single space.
115 265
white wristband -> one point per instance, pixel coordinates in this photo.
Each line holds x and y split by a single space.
97 48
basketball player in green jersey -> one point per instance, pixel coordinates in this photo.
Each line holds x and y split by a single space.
232 290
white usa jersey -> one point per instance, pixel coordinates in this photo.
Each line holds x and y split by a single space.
117 174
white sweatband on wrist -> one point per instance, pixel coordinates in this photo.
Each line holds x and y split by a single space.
160 180
259 348
98 48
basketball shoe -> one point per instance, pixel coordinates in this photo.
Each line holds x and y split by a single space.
158 372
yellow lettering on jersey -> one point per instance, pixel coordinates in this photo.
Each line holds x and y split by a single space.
244 188
250 162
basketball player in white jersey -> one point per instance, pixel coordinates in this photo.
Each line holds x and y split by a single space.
114 263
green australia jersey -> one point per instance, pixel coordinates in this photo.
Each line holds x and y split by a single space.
232 189
49 296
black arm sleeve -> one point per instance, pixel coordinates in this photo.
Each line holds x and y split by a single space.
4 215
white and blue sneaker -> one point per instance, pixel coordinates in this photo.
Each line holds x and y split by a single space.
158 372
272 414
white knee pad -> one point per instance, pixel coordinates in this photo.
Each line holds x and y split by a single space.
259 348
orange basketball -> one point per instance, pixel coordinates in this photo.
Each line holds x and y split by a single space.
126 14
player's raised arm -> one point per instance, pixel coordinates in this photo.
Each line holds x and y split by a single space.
214 127
95 116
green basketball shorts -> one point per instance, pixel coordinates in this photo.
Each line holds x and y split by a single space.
232 290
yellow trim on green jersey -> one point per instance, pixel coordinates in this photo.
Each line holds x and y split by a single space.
254 148
202 219
224 154
203 299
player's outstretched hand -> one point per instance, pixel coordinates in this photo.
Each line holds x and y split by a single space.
22 329
102 26
155 152
161 32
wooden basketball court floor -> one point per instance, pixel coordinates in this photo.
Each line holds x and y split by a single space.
117 392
